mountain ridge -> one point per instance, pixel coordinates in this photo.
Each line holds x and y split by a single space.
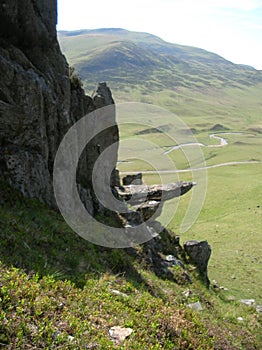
122 58
146 34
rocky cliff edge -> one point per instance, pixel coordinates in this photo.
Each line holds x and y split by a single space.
40 101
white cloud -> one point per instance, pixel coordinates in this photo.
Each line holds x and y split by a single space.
245 5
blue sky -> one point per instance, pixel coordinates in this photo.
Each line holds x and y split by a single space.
230 28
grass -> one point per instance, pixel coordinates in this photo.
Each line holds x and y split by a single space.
57 291
231 216
230 221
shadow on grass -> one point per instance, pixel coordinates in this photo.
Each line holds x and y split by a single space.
37 239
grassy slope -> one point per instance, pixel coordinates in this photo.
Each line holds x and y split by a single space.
60 293
231 216
230 220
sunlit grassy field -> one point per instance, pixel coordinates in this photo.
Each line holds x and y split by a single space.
230 220
231 216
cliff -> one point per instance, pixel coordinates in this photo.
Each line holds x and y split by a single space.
39 101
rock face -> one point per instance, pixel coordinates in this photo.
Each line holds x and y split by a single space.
39 102
147 209
119 334
147 201
136 194
199 254
133 179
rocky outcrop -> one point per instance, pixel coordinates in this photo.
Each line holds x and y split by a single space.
163 253
137 194
39 102
133 179
199 254
147 201
147 209
165 256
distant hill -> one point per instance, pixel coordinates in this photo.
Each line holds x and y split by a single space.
186 80
121 56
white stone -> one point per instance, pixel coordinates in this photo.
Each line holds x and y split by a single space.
170 258
248 302
196 306
187 293
259 308
119 334
117 292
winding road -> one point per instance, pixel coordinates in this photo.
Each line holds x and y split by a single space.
223 142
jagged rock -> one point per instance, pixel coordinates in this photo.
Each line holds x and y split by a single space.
224 288
146 201
174 261
259 308
165 244
117 292
133 218
116 178
170 258
217 287
143 212
147 209
187 293
199 254
92 346
119 334
133 179
103 96
39 103
136 194
196 306
248 302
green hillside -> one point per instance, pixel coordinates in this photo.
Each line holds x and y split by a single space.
188 81
58 291
130 58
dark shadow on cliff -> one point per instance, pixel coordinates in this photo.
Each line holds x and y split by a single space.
37 239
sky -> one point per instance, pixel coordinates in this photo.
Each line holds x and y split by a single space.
230 28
